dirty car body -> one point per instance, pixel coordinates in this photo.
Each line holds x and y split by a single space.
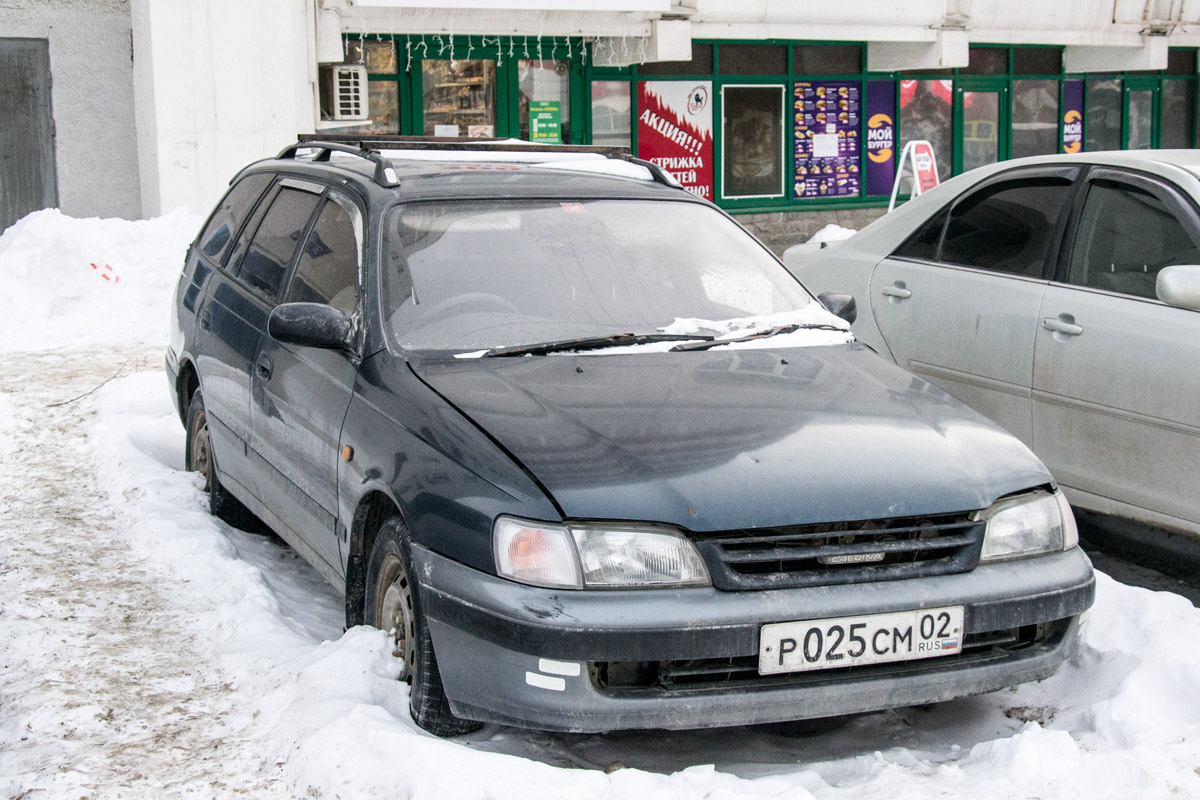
665 529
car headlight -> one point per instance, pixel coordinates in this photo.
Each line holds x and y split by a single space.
1038 522
595 556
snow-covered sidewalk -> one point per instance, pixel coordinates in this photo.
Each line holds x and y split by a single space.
148 650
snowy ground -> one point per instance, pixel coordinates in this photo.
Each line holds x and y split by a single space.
147 650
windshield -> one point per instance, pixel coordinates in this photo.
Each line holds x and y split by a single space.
478 275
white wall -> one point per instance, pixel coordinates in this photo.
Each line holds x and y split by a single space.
219 83
91 99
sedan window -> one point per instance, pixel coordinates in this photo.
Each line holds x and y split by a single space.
1125 236
1006 227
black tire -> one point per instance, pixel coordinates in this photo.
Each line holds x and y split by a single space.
392 603
221 503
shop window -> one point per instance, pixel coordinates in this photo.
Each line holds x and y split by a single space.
1104 114
701 64
753 59
1037 60
1181 62
1034 117
826 59
380 57
986 61
1178 113
383 105
459 97
752 158
981 129
1141 120
925 113
611 124
544 97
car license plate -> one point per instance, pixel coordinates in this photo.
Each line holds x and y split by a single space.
856 641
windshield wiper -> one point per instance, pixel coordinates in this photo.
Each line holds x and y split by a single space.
764 334
594 343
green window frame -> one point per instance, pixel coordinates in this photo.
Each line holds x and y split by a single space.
413 49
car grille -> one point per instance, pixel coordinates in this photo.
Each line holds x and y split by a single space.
842 552
722 674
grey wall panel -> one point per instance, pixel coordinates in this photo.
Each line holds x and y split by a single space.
91 71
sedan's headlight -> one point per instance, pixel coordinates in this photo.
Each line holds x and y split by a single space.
1038 522
595 556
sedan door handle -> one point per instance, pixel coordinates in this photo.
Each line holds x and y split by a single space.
1066 327
898 291
263 368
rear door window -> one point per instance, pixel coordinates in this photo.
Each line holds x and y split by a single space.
228 217
1007 226
1126 234
275 242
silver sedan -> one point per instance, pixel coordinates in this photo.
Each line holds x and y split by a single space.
1060 296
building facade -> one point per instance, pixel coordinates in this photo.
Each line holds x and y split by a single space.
788 114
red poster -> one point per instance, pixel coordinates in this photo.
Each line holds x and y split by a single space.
924 165
675 131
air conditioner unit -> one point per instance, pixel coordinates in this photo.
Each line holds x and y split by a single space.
345 90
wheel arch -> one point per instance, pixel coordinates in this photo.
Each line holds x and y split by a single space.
185 386
373 509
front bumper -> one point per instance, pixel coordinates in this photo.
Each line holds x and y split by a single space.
527 656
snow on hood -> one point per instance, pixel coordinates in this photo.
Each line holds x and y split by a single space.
68 281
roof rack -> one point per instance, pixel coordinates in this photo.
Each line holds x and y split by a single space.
384 174
369 146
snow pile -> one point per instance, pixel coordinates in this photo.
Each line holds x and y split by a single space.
1122 719
71 281
830 235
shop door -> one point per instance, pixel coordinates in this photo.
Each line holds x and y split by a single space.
27 172
981 123
1141 113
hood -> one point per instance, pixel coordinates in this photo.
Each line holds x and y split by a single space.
723 440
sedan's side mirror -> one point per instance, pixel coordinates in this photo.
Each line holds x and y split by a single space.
310 325
1179 286
840 305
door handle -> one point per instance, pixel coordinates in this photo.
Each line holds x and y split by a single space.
1065 325
897 291
263 368
205 320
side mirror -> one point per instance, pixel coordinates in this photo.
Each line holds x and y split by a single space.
310 325
1179 286
840 305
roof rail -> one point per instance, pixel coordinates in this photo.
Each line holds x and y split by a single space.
384 174
369 146
393 142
